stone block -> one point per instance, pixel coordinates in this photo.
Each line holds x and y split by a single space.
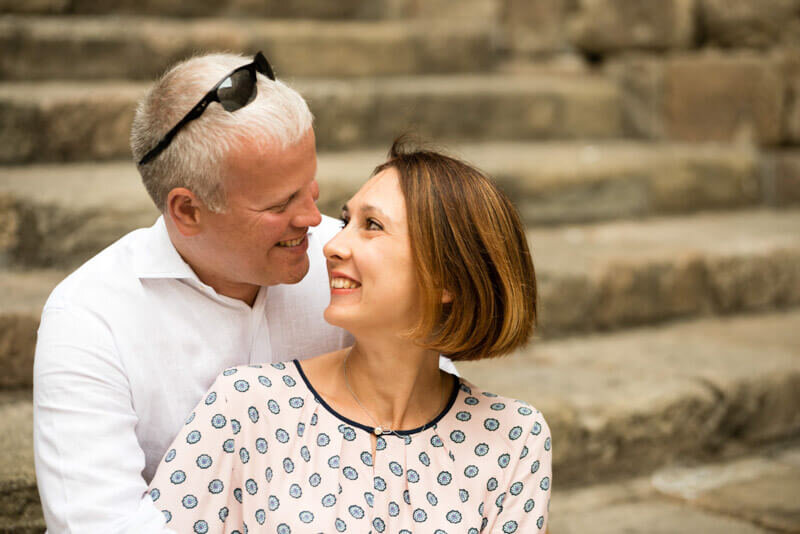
756 281
62 121
17 342
649 517
373 112
731 97
484 12
143 48
633 401
791 69
750 23
780 176
737 97
49 7
19 499
607 26
641 81
770 501
633 294
343 9
710 177
761 490
642 272
534 26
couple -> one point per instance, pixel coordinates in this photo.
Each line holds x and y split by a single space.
329 406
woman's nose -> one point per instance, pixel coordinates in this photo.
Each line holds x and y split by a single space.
337 248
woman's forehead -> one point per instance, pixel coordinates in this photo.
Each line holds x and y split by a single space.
383 192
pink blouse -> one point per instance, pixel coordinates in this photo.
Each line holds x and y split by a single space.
263 452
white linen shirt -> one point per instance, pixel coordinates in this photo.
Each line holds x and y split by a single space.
127 346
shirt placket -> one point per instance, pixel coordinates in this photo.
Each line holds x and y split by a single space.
260 343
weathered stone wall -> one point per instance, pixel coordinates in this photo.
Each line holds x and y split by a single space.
692 70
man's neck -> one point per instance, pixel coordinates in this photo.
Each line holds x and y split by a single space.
247 293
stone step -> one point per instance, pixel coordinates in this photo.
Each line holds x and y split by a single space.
63 214
20 509
74 121
141 48
754 494
24 294
630 402
472 10
601 277
649 401
341 9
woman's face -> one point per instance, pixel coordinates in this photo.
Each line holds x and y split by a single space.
373 282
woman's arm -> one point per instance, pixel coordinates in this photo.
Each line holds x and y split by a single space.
197 480
523 507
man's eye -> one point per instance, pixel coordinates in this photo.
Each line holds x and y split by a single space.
278 209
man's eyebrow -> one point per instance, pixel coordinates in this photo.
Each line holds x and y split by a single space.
287 198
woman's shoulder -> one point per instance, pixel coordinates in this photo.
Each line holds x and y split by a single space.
499 417
244 385
242 377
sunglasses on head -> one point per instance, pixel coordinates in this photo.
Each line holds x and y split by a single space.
233 92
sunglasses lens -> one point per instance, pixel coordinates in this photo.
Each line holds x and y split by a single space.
237 90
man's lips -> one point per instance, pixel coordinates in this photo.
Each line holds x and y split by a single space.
292 242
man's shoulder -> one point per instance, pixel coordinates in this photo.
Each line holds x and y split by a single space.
110 270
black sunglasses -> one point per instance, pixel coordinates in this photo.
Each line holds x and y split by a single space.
233 92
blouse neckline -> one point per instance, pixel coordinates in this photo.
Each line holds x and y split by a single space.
451 400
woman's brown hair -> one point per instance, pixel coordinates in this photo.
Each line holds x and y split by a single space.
466 238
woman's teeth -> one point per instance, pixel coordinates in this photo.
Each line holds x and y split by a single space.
344 283
292 243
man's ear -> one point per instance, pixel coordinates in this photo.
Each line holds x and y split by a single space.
184 208
447 297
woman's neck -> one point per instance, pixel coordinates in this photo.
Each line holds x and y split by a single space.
398 384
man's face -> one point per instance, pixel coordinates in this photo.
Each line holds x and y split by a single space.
261 239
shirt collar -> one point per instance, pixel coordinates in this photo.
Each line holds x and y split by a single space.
156 256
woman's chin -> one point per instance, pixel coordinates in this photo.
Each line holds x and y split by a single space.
336 316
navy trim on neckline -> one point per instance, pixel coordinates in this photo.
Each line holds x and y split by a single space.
371 429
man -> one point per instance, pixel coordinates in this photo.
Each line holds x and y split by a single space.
232 273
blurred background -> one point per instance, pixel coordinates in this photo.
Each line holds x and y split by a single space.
651 146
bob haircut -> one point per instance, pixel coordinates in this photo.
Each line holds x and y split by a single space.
466 238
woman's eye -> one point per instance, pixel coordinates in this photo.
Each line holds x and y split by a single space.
343 221
372 224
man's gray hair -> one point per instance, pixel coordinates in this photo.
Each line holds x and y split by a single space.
277 117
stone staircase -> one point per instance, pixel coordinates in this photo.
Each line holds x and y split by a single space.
658 172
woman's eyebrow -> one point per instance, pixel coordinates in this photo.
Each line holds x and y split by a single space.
369 208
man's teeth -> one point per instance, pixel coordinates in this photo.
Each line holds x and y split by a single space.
344 283
292 243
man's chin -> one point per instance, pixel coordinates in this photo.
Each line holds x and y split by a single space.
295 275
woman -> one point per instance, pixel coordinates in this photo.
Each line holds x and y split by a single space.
375 438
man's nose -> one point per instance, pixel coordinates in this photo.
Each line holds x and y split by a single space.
308 214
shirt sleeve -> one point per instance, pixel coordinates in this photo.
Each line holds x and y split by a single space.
196 485
87 457
523 506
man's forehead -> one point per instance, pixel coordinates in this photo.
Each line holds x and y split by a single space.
266 158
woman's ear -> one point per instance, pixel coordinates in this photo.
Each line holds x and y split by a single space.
447 297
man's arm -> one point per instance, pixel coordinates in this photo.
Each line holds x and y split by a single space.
88 459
